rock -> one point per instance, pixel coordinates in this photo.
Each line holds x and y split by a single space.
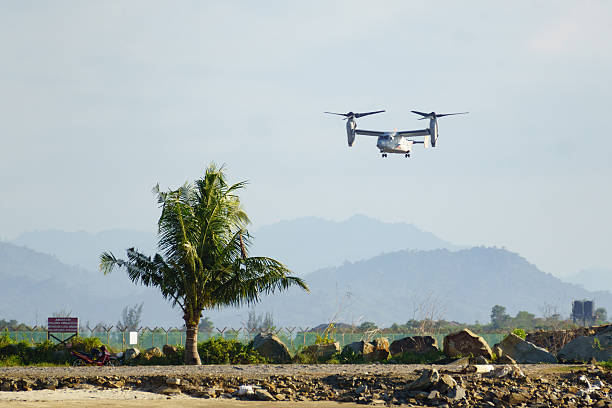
465 343
449 387
446 383
479 368
49 384
480 360
506 360
428 379
361 347
263 395
525 352
8 386
434 394
414 345
516 398
455 394
152 352
173 381
271 348
512 371
381 349
131 353
362 389
378 349
585 348
169 350
169 390
322 352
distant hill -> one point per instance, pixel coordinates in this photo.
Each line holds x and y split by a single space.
311 243
458 285
593 279
360 283
34 285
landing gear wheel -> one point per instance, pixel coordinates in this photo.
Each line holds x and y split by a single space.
384 155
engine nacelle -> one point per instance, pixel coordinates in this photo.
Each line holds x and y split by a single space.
351 125
433 131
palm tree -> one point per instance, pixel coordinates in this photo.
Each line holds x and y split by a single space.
203 261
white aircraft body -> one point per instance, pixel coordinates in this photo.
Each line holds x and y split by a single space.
395 141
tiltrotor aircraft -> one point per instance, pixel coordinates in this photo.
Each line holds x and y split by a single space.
395 141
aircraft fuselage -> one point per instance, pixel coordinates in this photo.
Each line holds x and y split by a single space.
394 144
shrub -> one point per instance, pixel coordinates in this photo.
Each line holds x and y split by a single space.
520 332
24 353
175 359
85 343
5 339
415 358
348 356
223 351
10 361
327 336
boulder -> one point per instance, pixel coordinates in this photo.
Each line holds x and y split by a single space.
152 352
270 347
466 343
360 347
131 353
322 352
587 348
524 352
378 349
169 350
381 349
414 345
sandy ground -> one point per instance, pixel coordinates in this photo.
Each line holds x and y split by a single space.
136 399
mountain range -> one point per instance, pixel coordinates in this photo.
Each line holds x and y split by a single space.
358 269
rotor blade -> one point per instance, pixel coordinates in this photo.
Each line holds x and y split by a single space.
339 114
421 113
449 114
358 115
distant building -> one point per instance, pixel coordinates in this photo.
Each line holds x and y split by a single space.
582 312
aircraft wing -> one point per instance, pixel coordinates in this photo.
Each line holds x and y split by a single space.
370 132
408 133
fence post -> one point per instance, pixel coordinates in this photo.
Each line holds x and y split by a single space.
236 332
290 335
140 332
107 329
304 334
221 331
166 334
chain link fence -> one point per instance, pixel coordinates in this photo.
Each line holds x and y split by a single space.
294 337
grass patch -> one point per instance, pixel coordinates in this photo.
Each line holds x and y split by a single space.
416 358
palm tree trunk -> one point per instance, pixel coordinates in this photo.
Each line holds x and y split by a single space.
191 344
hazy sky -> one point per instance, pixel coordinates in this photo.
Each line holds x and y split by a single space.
100 100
